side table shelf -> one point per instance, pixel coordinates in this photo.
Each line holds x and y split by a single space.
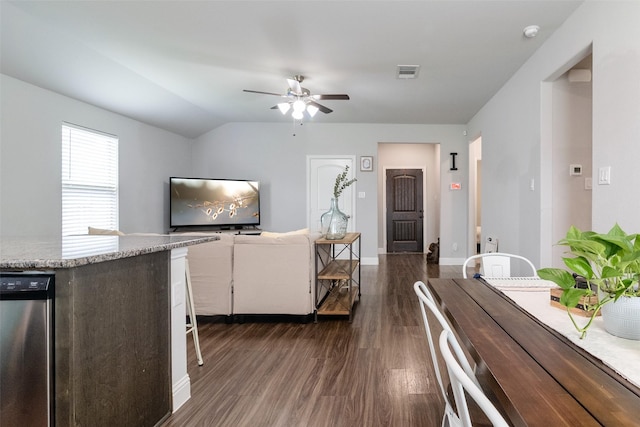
338 275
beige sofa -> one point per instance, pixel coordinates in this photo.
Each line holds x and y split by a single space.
210 269
246 274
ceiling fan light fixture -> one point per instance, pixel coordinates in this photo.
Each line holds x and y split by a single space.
312 110
284 107
299 106
299 99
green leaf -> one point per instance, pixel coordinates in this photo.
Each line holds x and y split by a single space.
609 272
586 247
571 297
636 242
573 233
579 265
558 276
616 241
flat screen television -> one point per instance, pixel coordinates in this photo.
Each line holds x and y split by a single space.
223 203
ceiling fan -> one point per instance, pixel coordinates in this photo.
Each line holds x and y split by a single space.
299 99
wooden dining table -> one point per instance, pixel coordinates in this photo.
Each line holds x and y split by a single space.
535 375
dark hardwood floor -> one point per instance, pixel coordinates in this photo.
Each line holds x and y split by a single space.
375 371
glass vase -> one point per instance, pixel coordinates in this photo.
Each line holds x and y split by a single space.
334 222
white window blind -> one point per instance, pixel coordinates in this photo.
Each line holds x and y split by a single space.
89 180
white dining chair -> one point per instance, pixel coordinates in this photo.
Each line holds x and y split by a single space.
498 264
463 380
427 303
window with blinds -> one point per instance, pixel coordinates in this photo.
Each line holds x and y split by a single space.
89 180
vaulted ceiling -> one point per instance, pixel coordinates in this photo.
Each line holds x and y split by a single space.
183 65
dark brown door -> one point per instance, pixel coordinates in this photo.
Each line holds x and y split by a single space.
405 216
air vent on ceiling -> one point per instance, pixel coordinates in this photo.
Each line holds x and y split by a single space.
408 71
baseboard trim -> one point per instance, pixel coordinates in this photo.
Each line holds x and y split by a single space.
452 261
273 318
181 392
369 260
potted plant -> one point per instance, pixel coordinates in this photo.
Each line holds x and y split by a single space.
610 264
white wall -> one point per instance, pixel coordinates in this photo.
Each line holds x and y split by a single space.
30 159
510 125
616 111
271 154
513 138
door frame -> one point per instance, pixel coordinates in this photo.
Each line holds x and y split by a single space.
352 167
475 155
425 219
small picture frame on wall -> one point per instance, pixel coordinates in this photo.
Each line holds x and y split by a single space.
366 163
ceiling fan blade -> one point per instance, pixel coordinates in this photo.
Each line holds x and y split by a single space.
295 87
264 93
332 97
320 107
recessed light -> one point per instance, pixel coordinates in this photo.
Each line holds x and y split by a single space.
531 31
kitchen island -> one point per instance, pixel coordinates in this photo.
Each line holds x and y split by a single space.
119 324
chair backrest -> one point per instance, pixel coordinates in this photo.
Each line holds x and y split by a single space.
427 305
497 264
491 245
463 380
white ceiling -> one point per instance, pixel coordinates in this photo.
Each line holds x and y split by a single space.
182 65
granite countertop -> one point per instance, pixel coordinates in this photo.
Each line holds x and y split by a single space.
74 251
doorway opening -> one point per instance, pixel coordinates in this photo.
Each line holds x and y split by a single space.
475 197
566 171
424 157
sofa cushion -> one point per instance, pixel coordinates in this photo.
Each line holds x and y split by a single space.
282 239
288 233
225 238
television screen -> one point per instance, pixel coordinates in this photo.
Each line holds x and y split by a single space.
214 202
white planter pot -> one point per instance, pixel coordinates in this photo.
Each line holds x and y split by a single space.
622 318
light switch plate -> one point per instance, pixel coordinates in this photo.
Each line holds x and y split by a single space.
604 175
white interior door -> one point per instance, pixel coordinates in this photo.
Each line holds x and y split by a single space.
322 172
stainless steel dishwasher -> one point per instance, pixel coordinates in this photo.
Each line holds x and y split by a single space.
26 349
